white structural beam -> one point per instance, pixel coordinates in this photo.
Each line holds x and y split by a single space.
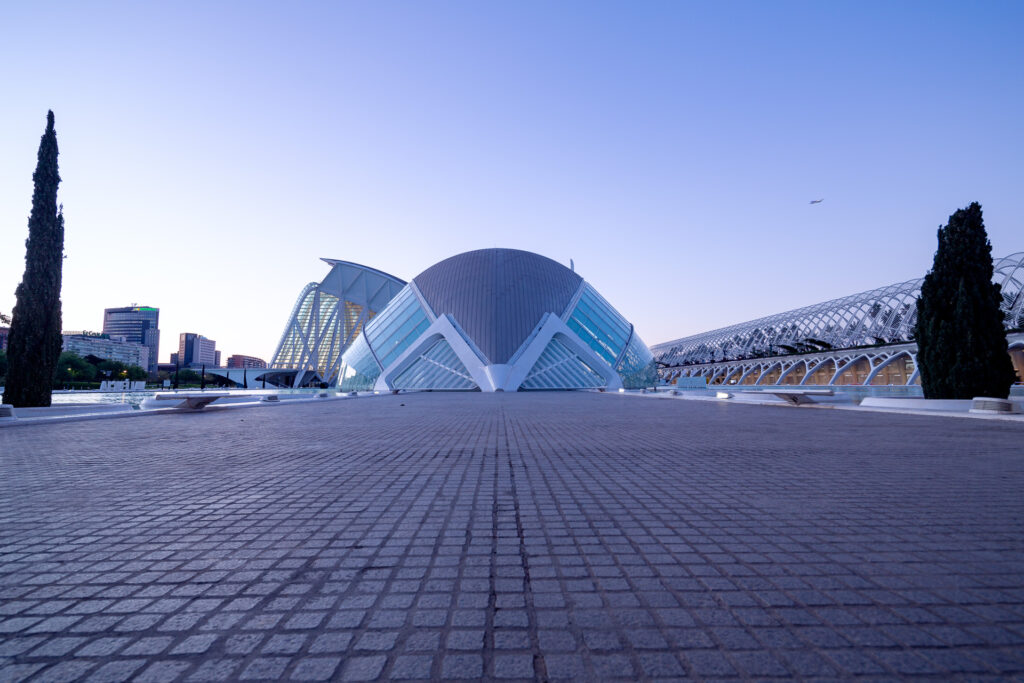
498 377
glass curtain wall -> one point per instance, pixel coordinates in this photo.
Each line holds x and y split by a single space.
292 349
612 338
322 325
383 340
637 367
359 369
599 325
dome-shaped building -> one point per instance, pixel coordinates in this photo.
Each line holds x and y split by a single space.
497 320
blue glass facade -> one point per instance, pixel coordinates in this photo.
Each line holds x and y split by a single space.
359 369
506 320
599 325
437 369
137 324
613 339
388 335
636 367
560 368
397 326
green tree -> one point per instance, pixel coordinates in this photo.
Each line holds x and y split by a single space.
33 344
136 373
3 364
186 376
960 335
116 370
73 368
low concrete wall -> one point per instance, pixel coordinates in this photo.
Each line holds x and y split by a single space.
57 409
947 405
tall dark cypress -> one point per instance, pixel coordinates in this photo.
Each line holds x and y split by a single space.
33 344
960 335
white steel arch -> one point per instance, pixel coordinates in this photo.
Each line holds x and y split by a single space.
885 315
328 316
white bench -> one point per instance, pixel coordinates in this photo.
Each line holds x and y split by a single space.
796 397
183 401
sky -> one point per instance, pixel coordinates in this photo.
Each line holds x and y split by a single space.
212 152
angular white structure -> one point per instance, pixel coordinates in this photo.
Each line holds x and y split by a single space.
497 320
326 318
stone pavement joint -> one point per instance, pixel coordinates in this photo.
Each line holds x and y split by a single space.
512 537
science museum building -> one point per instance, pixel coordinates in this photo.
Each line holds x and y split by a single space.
486 320
510 320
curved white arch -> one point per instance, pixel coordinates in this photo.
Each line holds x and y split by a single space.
767 368
886 362
793 367
843 368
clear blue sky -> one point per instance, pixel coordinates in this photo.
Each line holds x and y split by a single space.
211 153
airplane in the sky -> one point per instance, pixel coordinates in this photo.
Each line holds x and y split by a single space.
817 201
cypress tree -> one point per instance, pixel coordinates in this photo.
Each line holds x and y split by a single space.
960 335
34 342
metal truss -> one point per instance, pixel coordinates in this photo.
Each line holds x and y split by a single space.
886 315
889 365
327 317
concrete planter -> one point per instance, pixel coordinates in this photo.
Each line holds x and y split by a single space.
986 405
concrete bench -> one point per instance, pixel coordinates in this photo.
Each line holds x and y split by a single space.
796 397
182 401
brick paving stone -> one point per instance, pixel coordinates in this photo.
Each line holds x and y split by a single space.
162 672
216 670
462 666
284 644
513 666
116 671
65 672
565 667
265 668
412 667
520 536
315 669
334 641
194 645
613 666
13 673
363 668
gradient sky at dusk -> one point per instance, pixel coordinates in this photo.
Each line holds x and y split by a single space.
211 153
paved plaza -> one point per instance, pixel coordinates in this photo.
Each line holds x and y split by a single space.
512 536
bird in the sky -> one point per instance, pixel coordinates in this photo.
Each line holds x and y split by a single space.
817 201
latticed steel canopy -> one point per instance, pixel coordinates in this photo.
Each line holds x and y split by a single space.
328 316
879 316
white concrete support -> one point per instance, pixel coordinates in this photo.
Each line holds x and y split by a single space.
498 377
526 357
441 328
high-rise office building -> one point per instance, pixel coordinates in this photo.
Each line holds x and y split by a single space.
195 350
138 324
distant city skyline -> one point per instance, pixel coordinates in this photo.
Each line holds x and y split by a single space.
211 155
